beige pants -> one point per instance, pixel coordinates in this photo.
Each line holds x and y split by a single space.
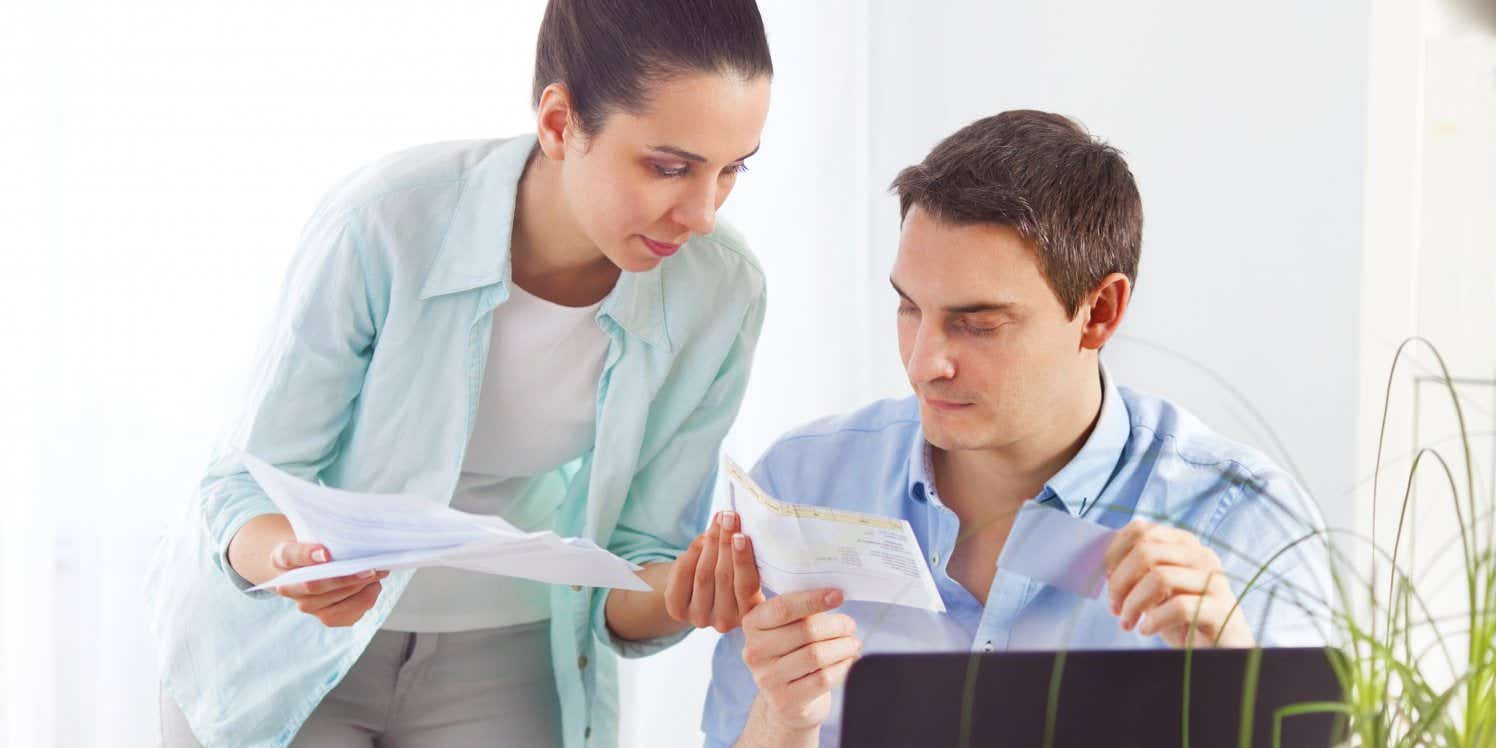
492 687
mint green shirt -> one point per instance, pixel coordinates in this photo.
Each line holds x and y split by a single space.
369 380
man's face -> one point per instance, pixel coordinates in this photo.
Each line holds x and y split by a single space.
985 341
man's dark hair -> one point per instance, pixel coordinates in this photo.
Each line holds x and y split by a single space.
1068 194
608 52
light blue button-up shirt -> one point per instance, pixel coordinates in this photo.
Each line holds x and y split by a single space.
1145 458
369 380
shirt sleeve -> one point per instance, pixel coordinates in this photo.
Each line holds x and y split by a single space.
1272 544
669 497
306 378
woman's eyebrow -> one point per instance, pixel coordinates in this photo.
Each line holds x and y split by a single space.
698 158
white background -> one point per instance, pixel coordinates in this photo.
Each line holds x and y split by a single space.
1317 179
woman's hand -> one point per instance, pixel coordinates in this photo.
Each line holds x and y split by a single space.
339 601
266 547
715 582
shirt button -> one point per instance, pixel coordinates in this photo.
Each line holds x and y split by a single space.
582 662
587 733
987 647
935 558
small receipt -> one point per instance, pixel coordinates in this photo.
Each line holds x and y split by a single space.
1049 545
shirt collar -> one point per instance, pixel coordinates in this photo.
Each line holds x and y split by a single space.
475 251
1082 479
1078 483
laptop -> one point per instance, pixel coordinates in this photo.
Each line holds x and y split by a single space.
1103 698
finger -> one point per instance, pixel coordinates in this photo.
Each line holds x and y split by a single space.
349 611
1203 613
323 586
761 648
1123 542
812 657
794 606
682 575
820 681
725 608
1158 585
1148 555
292 555
703 593
314 603
746 587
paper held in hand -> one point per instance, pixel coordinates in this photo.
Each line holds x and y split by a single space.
371 531
801 547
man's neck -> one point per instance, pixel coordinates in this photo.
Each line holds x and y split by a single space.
985 488
548 254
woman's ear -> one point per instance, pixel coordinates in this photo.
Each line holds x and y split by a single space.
553 121
1104 309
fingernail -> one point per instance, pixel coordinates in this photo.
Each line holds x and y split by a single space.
738 543
320 556
833 598
726 519
366 574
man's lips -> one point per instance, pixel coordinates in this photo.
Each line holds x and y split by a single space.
939 404
662 249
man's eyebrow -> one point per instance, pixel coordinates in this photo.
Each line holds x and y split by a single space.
696 157
972 308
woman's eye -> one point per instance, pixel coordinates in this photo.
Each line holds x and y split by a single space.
908 309
737 168
671 171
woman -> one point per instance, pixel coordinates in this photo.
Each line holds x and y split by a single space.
551 328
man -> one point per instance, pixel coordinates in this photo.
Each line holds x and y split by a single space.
1018 253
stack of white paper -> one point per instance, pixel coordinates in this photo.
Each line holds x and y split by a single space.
801 547
370 531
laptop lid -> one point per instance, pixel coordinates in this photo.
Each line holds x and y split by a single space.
1111 698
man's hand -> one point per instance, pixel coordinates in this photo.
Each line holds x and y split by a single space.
715 582
798 653
1163 581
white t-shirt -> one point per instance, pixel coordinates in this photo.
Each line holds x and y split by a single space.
537 411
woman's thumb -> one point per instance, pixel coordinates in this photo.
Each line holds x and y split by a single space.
293 555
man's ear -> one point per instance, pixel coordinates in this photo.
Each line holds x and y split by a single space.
553 122
1103 310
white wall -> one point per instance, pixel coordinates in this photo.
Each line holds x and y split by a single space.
1429 270
178 147
170 153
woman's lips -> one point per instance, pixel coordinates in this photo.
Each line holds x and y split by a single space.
660 248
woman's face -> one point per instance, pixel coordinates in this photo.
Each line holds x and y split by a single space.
645 183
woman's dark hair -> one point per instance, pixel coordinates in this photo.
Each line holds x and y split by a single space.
608 52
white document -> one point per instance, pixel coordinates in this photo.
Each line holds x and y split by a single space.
1050 546
800 547
370 531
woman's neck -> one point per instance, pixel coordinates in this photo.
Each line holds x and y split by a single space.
549 256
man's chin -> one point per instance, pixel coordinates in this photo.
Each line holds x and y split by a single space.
944 431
